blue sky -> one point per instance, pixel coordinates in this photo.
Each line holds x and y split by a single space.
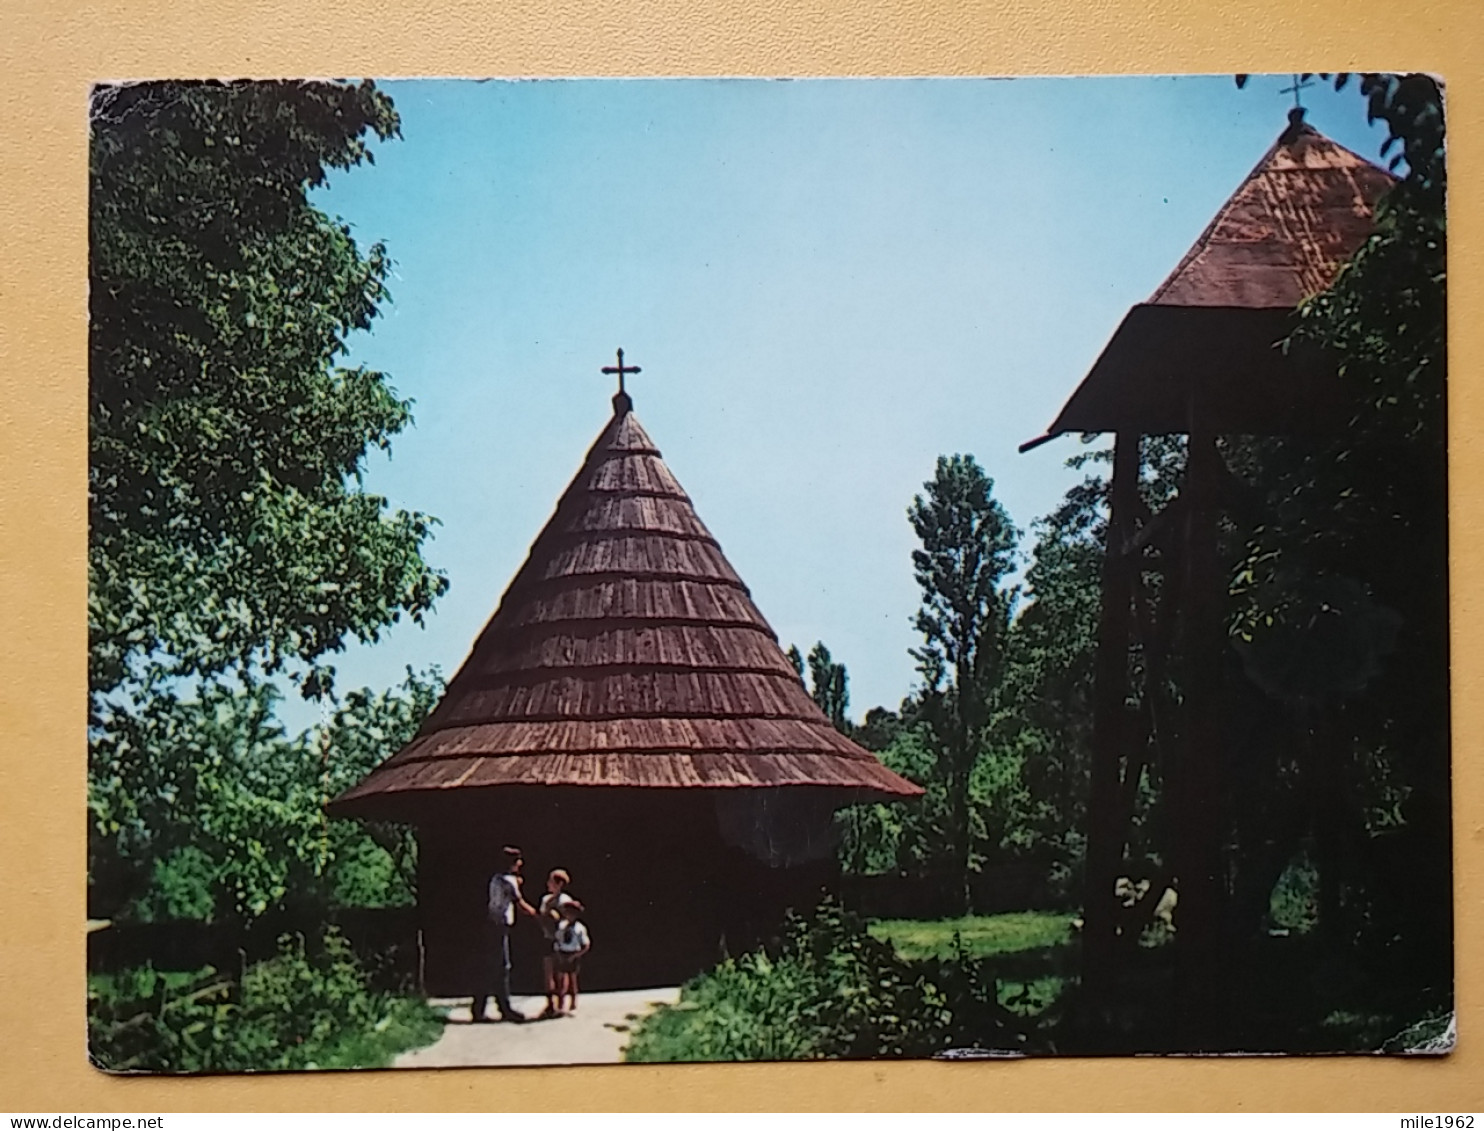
827 283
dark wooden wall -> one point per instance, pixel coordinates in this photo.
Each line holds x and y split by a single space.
665 899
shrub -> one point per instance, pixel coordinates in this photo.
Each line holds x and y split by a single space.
830 991
204 807
1294 903
297 1010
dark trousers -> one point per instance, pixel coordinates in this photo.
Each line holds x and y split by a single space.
497 947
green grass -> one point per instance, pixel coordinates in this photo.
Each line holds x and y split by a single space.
406 1023
982 936
1034 944
839 988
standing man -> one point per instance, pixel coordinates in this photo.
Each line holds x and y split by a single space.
505 900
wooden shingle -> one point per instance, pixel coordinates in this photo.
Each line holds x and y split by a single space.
626 652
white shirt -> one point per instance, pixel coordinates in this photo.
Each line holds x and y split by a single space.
550 903
504 895
571 937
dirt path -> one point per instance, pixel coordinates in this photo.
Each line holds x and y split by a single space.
596 1034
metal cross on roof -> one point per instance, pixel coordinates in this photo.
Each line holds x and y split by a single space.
1299 83
620 369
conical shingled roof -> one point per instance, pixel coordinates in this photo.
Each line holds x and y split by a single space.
626 652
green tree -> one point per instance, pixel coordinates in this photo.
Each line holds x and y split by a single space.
1045 710
967 549
877 838
375 863
1046 700
830 687
229 536
879 729
911 839
216 813
828 683
796 658
1341 595
227 527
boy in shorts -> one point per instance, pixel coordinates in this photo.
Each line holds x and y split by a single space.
570 945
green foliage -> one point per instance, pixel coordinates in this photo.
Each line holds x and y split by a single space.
226 527
879 729
874 839
1340 607
1294 903
1046 716
297 1010
1043 719
828 683
912 838
203 808
228 533
1355 541
1026 774
967 548
831 991
1029 953
207 793
921 838
183 886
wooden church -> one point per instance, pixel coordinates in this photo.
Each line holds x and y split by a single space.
627 715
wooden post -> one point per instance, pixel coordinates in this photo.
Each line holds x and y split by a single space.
1105 829
1200 825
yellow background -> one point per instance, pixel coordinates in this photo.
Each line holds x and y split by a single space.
50 52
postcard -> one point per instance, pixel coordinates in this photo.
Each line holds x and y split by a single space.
596 571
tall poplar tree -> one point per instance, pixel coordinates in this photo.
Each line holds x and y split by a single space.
968 548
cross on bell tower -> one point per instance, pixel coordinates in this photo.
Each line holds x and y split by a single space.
1300 83
1296 115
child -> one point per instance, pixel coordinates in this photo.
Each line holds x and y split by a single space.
552 902
570 945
